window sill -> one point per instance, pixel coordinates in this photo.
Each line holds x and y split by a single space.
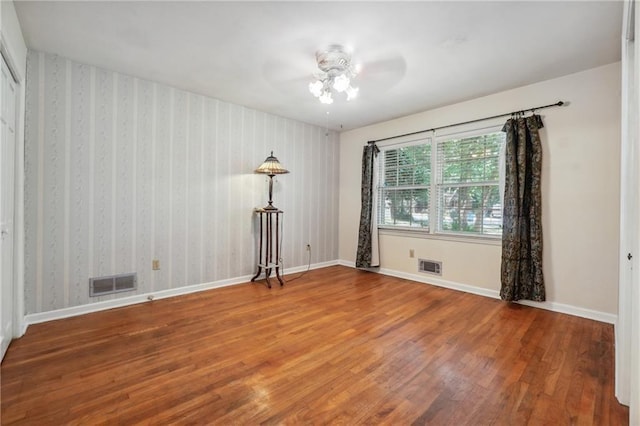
417 233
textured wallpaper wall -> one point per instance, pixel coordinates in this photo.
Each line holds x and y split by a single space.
121 171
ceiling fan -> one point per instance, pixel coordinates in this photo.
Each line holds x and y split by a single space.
361 74
335 73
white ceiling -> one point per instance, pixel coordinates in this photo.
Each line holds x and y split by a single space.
415 55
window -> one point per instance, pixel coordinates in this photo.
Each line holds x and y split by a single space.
454 188
405 186
468 184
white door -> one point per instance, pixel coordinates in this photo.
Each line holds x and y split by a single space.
7 169
627 347
632 316
628 226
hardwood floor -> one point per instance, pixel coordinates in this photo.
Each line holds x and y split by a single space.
338 346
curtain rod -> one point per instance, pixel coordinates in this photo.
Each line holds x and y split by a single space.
559 103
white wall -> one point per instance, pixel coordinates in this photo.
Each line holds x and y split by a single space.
120 171
581 146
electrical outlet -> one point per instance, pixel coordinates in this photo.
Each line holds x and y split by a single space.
411 253
308 247
155 264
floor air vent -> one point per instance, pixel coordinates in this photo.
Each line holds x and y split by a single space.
100 286
430 266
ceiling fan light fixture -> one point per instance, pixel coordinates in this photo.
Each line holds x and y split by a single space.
352 92
341 83
336 72
316 88
326 98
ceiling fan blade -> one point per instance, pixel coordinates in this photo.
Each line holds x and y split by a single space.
395 65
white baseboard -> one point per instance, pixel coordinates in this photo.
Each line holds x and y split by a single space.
495 294
162 294
22 327
288 271
131 300
442 283
573 310
4 345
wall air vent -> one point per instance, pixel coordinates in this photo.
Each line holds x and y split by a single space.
99 286
430 266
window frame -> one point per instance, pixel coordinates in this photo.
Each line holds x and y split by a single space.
435 213
379 188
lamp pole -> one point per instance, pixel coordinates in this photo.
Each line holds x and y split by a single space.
270 206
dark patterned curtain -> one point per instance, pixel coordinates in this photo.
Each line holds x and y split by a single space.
367 255
521 271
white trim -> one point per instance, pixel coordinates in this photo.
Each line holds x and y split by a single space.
131 300
573 310
5 50
18 268
296 269
633 314
403 141
624 337
147 297
468 130
18 74
446 236
439 282
627 185
4 345
494 294
628 23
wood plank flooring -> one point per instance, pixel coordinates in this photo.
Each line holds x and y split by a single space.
338 346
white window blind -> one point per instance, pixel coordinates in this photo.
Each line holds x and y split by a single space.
405 185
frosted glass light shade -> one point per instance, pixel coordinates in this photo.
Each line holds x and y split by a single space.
316 88
341 83
352 92
326 98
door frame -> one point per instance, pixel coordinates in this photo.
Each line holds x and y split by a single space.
627 345
19 324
